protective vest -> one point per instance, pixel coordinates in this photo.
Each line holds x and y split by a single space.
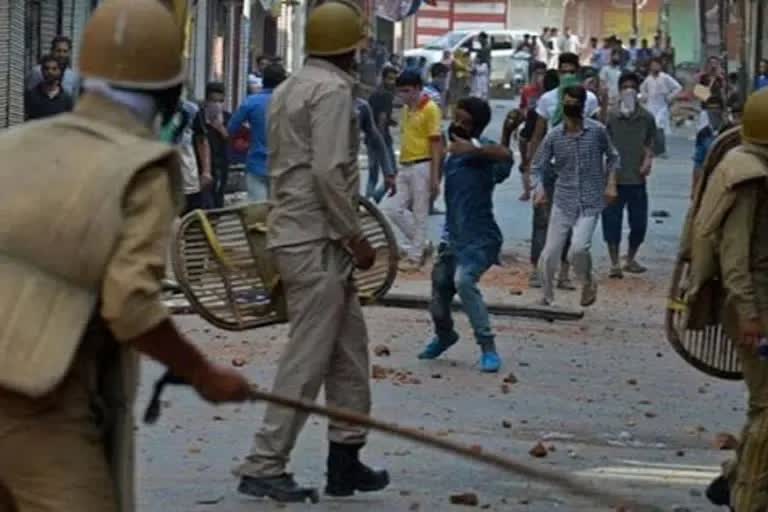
61 199
705 292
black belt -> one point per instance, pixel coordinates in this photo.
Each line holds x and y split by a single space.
416 162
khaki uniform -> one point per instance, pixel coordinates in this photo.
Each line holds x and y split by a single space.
313 147
95 195
734 217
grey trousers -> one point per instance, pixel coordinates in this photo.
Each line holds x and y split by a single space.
560 227
328 347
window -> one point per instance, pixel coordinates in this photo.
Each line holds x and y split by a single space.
501 42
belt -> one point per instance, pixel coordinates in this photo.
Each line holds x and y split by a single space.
415 162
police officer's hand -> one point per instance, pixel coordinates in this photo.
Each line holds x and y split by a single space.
220 384
751 332
363 252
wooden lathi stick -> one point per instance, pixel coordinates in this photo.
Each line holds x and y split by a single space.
553 478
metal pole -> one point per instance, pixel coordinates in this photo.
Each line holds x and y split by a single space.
635 28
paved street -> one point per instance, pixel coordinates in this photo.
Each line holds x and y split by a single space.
607 394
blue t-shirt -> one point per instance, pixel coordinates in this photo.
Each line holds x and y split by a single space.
255 110
470 226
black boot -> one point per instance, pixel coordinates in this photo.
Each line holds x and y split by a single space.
719 492
281 488
346 474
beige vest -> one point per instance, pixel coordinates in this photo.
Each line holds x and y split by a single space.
705 294
61 198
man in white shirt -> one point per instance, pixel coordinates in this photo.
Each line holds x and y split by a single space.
572 44
609 77
658 90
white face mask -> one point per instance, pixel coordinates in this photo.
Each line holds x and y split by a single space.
628 102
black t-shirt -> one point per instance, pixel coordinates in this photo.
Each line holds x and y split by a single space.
219 145
37 103
382 102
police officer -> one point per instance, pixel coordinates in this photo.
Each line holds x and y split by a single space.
316 239
731 241
86 225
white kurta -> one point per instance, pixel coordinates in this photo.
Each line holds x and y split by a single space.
658 92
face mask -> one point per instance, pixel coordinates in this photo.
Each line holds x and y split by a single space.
214 110
628 101
573 111
456 131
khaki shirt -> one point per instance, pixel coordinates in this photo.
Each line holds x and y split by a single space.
131 290
313 142
743 254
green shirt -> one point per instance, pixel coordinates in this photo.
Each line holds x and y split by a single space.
631 135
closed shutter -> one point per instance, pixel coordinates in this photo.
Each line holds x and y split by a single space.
49 21
12 59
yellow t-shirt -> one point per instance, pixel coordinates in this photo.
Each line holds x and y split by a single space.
418 128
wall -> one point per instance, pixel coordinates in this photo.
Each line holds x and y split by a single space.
685 34
447 15
532 15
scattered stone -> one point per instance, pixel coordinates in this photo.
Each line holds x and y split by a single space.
695 493
680 453
650 414
468 499
414 507
539 451
660 214
680 508
524 501
382 351
379 372
405 493
725 441
238 362
523 364
414 381
510 379
210 501
632 382
437 376
625 436
506 423
551 448
476 448
505 389
218 418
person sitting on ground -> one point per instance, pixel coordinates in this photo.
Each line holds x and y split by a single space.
472 239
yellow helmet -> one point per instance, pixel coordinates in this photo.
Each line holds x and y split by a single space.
754 120
135 44
335 27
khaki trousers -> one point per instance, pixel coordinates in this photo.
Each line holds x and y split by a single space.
56 463
328 347
749 476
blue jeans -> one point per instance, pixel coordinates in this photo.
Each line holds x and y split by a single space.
373 190
258 187
448 279
635 199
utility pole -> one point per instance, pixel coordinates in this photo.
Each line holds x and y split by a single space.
635 27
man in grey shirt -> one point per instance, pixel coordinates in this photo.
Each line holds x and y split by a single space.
633 130
61 49
579 151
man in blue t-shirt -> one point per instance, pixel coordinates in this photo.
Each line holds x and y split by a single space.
472 240
255 111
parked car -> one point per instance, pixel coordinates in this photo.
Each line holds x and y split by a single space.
503 49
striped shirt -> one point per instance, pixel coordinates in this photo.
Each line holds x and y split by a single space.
581 162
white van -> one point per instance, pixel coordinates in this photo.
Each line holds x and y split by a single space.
503 46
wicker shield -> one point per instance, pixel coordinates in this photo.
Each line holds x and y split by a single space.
707 349
227 274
